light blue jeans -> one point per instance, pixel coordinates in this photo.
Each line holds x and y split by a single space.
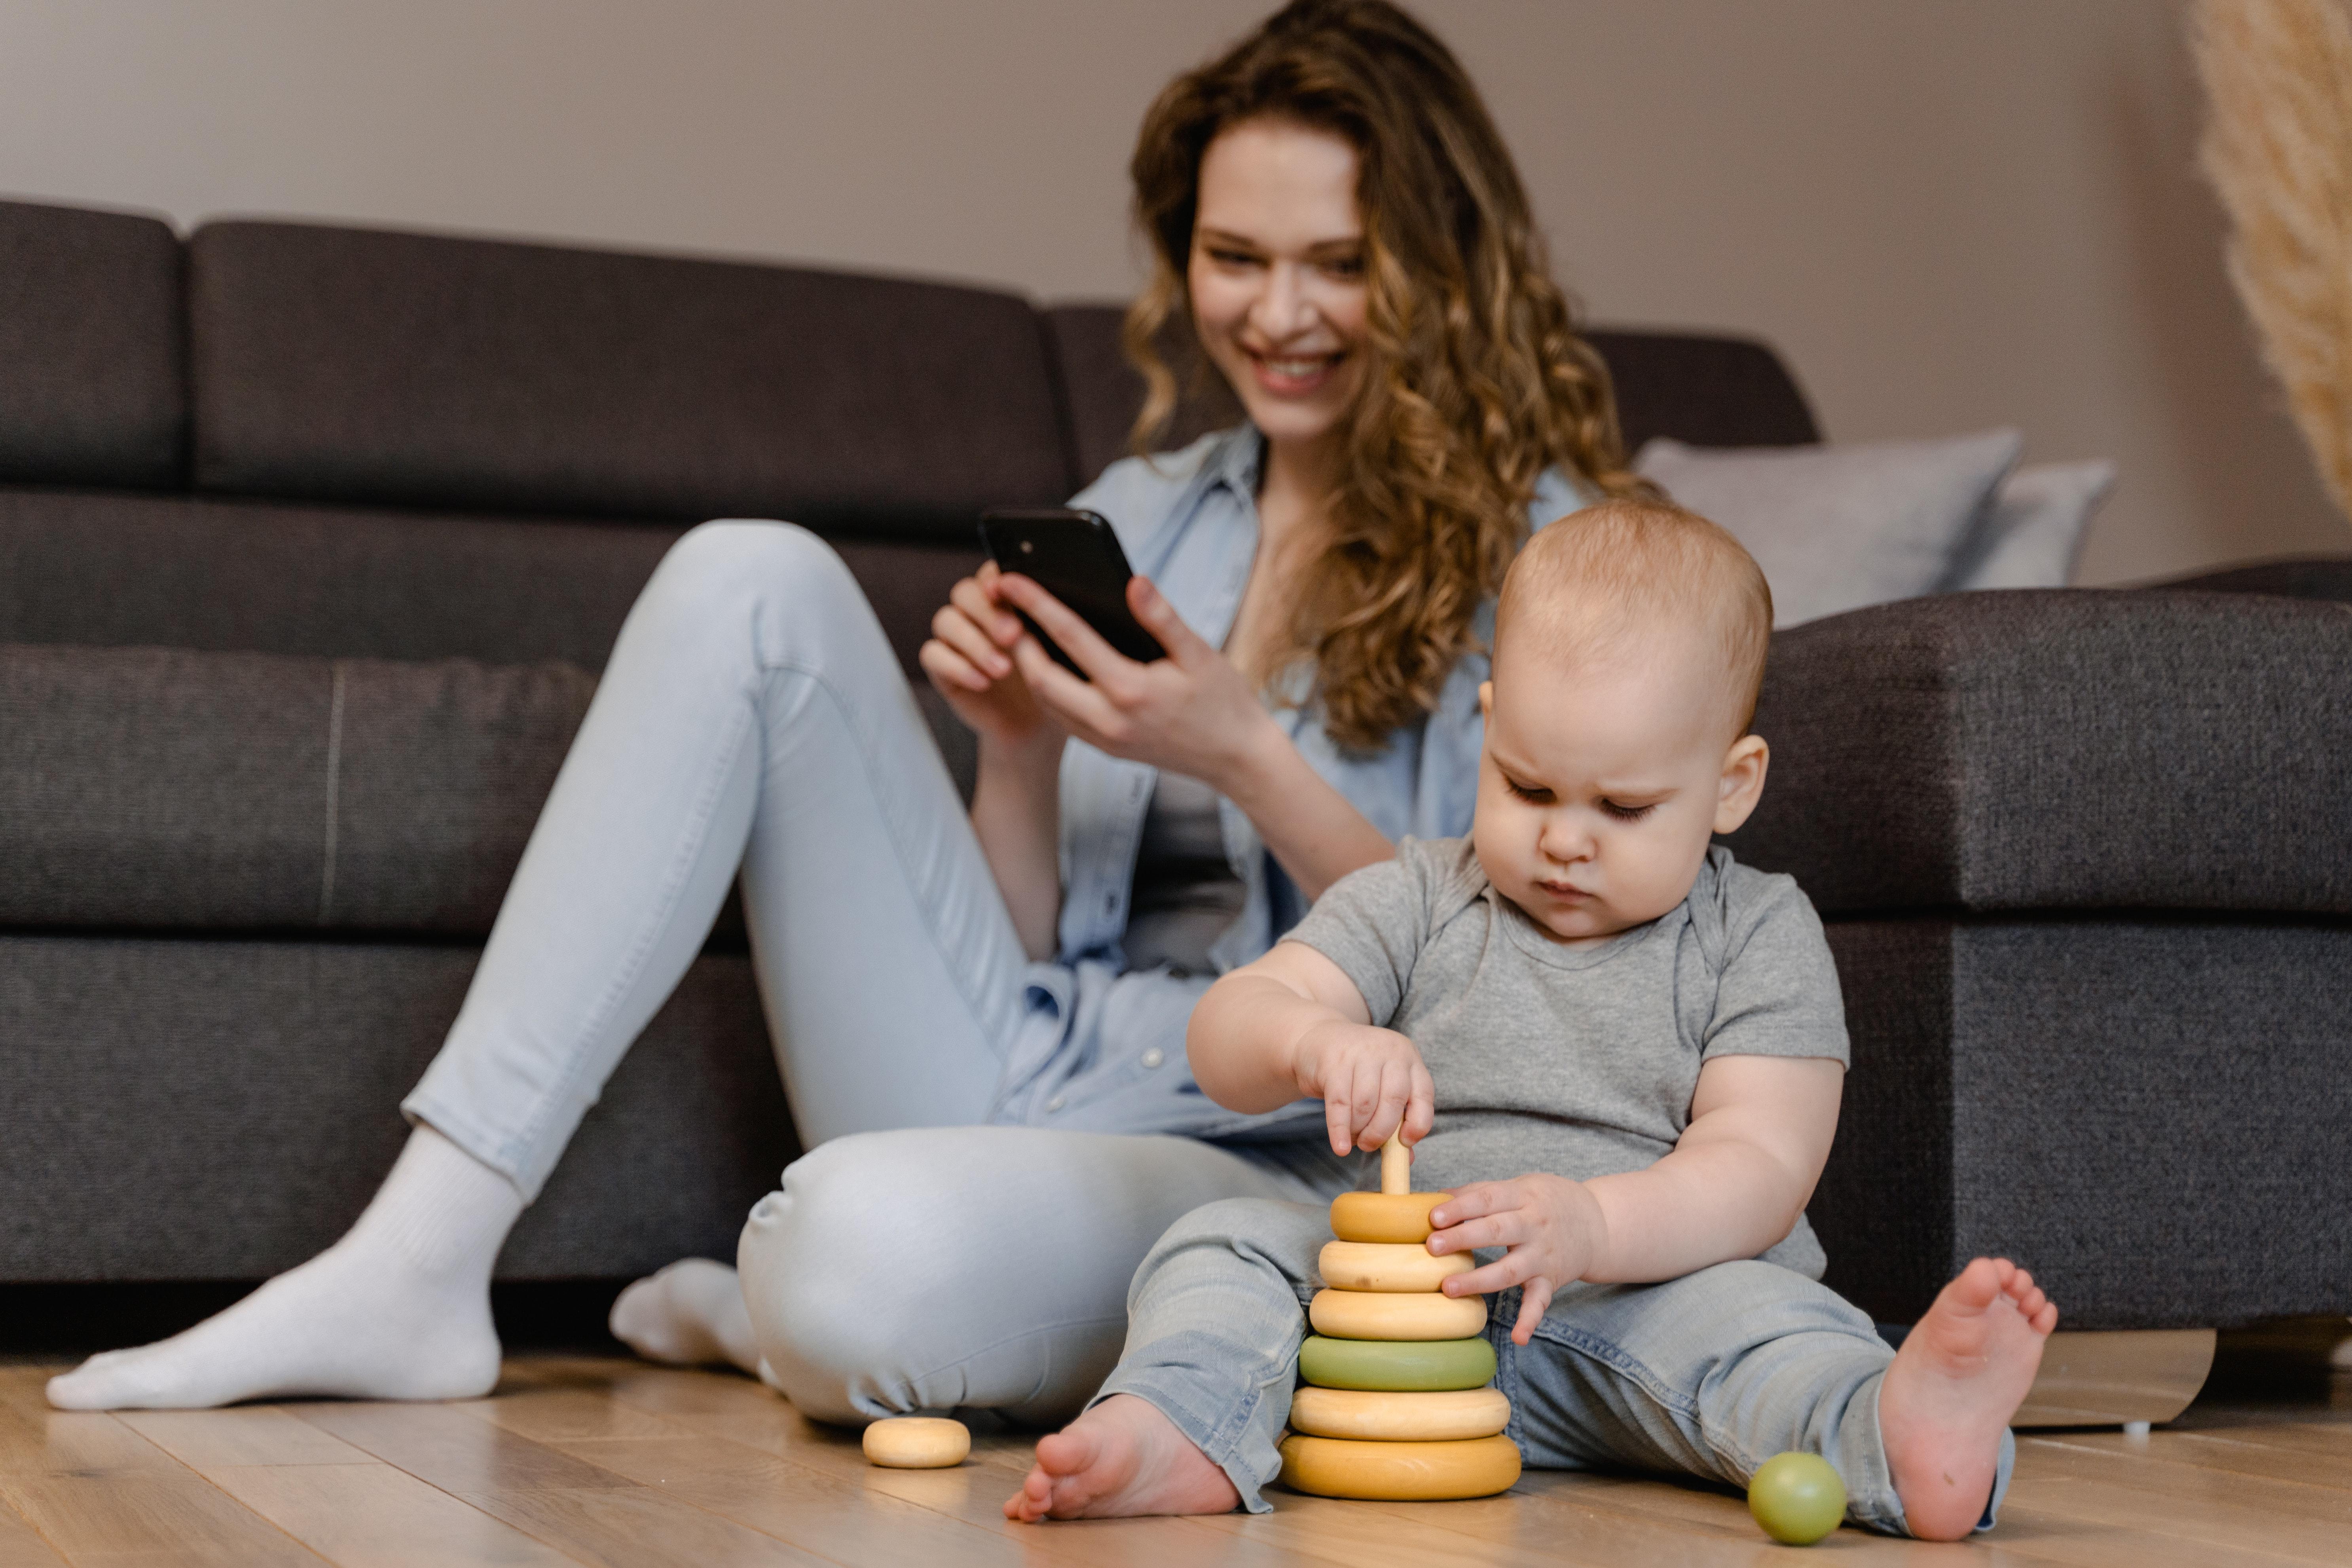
753 716
1708 1375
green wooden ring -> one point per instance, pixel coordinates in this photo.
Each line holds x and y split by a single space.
1404 1366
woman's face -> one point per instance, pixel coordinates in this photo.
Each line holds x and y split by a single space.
1276 275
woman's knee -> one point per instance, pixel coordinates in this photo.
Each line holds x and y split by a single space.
750 561
845 1276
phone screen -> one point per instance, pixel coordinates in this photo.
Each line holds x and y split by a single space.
1076 557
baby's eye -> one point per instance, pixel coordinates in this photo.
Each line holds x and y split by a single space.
1627 813
1537 796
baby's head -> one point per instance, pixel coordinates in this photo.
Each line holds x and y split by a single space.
1629 646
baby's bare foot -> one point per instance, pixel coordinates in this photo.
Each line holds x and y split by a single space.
1962 1373
1121 1457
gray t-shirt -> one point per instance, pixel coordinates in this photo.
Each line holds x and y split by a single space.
1580 1062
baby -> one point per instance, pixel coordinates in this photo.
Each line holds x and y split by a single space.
1622 1052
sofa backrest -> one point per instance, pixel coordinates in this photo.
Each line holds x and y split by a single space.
402 445
93 348
348 364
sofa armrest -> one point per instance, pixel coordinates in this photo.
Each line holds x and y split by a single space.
2063 749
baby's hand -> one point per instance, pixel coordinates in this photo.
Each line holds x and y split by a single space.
1552 1226
1371 1081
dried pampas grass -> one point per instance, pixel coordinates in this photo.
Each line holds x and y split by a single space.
2278 75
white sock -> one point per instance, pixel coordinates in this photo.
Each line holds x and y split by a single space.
689 1314
398 1308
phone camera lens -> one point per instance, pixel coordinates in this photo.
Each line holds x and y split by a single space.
1027 548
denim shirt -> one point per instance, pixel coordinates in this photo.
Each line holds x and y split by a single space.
1102 1050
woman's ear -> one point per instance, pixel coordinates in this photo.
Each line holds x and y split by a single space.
1742 785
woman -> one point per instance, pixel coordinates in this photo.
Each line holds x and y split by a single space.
979 1020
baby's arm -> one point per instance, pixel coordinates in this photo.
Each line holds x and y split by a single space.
1294 1025
1736 1181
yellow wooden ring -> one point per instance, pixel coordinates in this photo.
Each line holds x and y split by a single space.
1381 1315
918 1442
1400 1418
1388 1266
1400 1472
1383 1216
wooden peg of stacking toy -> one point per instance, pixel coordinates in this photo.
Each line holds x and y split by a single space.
1396 1406
916 1443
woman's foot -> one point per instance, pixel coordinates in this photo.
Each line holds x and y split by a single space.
1962 1373
689 1314
399 1308
1121 1457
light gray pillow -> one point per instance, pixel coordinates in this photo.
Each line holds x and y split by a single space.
1835 528
2032 535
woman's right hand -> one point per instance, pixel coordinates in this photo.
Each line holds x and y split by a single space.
969 661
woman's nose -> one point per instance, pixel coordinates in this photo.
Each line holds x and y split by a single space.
1282 308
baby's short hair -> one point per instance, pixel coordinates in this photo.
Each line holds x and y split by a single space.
1597 578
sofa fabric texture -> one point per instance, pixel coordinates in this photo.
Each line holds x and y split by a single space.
223 1109
2148 1114
92 348
2063 750
347 364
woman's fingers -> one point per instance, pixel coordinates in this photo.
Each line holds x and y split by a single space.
976 597
1079 704
946 666
1104 665
951 626
1159 619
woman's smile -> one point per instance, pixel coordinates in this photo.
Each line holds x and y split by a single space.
1293 374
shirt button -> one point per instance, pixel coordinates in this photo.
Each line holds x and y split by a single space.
1154 1057
1054 1104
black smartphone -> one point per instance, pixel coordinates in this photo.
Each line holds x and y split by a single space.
1076 557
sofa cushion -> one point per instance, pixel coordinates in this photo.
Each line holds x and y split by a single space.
271 577
2065 749
159 788
92 348
221 1110
2146 1113
336 364
1835 528
1709 391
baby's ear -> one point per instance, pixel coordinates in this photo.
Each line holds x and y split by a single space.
1742 783
1486 700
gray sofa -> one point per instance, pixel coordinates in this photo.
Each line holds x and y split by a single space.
313 541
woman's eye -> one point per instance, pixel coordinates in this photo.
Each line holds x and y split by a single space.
1627 813
1349 268
1231 257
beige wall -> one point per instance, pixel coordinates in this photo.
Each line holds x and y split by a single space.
1948 214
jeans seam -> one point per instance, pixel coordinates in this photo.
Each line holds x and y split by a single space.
971 1355
866 762
664 906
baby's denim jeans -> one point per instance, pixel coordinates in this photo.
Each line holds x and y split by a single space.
1708 1375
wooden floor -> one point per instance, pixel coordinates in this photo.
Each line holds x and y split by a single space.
608 1461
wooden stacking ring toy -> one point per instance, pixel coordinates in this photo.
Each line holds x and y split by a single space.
1409 1472
917 1443
1449 1417
1396 1366
1379 1315
1390 1217
1388 1266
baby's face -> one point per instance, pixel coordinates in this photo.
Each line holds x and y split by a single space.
1603 779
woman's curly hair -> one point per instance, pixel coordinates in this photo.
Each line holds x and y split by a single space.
1477 380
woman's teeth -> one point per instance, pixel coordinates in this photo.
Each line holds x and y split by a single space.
1297 367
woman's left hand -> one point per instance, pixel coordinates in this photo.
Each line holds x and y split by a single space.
1191 713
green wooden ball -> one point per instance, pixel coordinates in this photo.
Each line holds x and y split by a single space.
1796 1498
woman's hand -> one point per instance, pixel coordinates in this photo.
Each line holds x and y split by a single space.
1191 713
969 659
1371 1081
1554 1227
